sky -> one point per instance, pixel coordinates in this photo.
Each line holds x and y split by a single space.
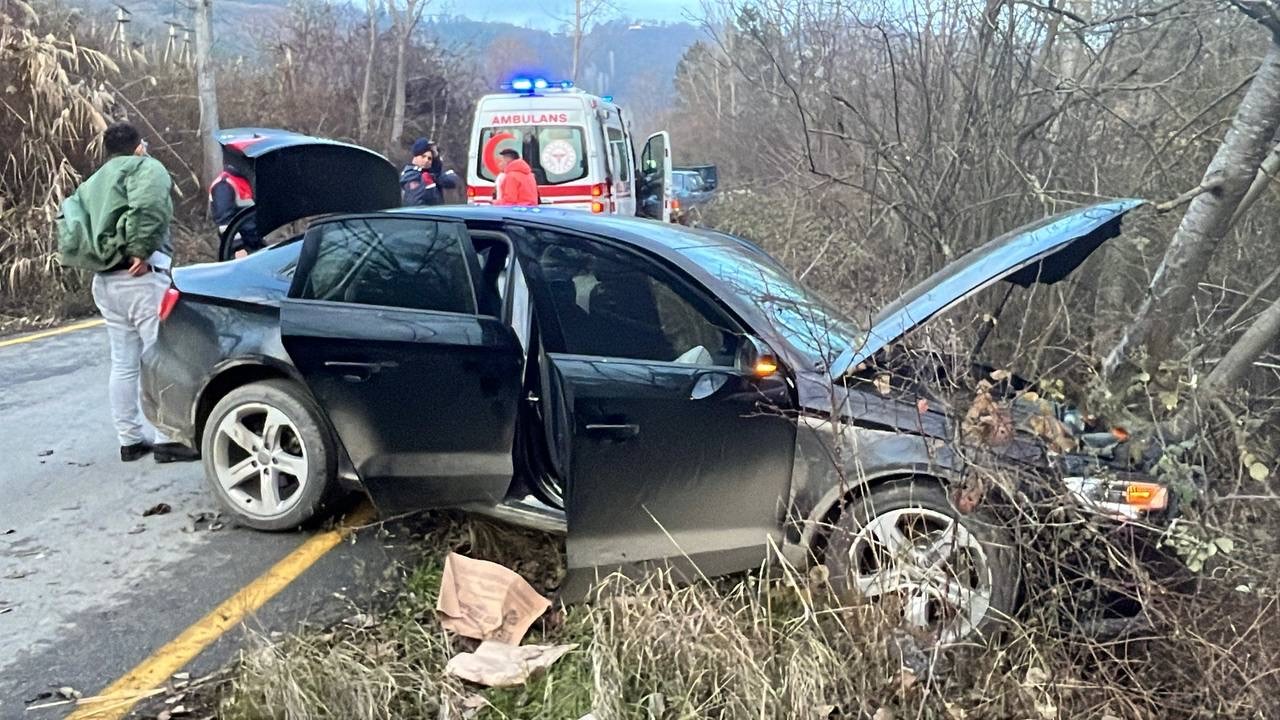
549 14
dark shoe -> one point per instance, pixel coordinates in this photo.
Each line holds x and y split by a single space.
174 452
136 451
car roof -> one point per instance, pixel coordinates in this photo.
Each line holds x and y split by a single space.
647 234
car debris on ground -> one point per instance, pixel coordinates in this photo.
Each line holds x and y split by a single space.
497 664
486 601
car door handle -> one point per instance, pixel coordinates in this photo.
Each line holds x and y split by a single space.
357 371
613 431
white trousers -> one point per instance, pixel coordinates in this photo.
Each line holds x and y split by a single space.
131 307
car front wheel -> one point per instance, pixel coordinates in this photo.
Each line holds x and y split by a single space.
904 546
268 456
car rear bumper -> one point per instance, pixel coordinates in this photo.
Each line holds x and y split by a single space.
168 393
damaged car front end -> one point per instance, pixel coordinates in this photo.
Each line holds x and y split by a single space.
936 482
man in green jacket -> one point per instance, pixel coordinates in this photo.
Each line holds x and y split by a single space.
116 225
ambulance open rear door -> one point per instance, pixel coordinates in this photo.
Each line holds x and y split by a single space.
655 178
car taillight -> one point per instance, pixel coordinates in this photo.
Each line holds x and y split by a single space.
168 302
597 207
675 203
471 191
598 190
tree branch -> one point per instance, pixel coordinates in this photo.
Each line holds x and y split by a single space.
1186 197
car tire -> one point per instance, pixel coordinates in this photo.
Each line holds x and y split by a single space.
954 575
270 435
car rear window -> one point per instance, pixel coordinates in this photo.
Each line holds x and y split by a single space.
393 262
556 153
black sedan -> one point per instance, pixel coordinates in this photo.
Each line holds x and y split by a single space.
662 395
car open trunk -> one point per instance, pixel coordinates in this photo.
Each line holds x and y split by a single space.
296 176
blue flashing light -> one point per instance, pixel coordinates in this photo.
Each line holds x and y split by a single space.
529 85
607 98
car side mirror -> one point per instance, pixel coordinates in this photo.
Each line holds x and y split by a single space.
756 362
756 359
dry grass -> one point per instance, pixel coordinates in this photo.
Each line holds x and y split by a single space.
785 646
54 112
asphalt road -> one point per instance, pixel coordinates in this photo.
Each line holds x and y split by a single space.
88 586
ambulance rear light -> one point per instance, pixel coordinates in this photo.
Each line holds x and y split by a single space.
598 189
597 207
471 191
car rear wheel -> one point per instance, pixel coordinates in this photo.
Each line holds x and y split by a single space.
268 456
904 546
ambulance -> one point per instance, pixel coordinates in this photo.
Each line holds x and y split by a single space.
579 147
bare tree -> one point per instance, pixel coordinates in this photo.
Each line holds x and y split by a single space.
405 17
1214 204
207 90
372 8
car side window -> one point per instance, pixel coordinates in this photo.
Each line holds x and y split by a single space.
394 262
612 303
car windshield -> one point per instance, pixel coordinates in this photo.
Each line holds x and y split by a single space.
555 153
807 321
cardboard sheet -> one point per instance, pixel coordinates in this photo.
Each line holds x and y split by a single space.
486 601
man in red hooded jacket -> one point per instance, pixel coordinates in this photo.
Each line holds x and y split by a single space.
516 185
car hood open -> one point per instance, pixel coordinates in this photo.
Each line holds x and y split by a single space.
1045 251
296 176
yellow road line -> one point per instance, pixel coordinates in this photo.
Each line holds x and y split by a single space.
50 333
118 698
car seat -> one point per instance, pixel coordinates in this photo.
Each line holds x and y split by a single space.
623 306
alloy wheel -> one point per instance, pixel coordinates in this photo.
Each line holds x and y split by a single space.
259 460
928 565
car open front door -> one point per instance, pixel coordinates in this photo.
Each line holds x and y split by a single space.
655 177
674 455
420 388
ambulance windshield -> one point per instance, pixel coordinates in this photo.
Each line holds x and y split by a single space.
556 153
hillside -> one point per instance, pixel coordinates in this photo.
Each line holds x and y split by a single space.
633 61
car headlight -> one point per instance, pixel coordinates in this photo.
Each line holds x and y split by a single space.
1125 499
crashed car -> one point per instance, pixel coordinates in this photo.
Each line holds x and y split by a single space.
662 396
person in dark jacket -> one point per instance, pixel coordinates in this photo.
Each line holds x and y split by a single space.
424 180
230 193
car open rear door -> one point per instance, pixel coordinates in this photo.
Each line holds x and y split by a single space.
655 172
420 388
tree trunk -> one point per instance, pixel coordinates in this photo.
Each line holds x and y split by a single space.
405 21
207 90
1231 369
1267 173
1163 312
397 93
362 128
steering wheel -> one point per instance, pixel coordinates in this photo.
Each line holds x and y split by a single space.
227 239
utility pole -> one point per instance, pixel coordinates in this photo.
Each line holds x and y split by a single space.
118 39
207 91
577 38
